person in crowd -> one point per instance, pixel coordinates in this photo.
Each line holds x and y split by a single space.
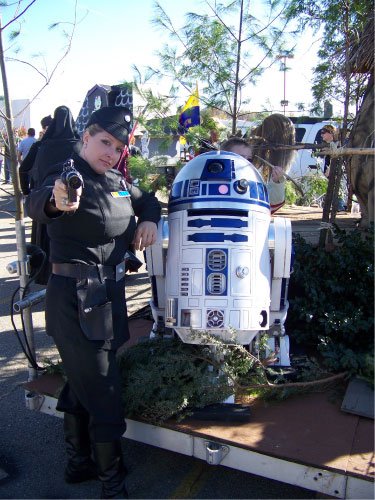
85 299
328 135
25 145
7 164
27 164
57 144
209 144
123 165
275 186
133 149
45 123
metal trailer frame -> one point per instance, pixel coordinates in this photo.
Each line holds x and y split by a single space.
323 480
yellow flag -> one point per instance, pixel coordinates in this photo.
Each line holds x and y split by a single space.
190 115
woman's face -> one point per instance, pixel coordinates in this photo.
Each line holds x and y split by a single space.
102 151
327 136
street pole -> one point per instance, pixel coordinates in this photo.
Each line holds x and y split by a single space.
284 56
284 83
20 226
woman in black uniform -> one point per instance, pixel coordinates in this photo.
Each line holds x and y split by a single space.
85 300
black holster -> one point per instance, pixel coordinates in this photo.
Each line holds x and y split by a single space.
94 309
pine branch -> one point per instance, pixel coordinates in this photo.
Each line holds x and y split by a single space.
269 385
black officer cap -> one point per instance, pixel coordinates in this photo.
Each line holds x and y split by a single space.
113 119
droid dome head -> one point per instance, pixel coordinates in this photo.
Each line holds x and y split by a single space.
221 179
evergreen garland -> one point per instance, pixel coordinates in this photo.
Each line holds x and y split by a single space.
164 378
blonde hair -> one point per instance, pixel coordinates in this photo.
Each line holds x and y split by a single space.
332 130
94 129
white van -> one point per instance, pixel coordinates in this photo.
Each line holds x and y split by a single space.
308 131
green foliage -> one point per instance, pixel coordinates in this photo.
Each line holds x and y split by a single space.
147 174
54 368
313 187
331 297
308 370
13 35
290 193
194 135
225 50
341 22
162 124
164 378
329 84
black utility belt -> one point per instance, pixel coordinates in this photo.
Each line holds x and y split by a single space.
82 271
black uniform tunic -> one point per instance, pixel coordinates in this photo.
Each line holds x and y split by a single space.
99 232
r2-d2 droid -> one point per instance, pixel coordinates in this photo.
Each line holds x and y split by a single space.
219 265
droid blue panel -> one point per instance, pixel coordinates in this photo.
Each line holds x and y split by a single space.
262 195
216 271
217 223
217 237
266 193
217 169
253 190
176 190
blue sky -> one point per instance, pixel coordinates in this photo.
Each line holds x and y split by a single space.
111 36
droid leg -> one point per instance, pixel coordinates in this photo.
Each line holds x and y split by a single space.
281 250
156 260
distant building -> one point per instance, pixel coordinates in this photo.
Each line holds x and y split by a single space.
21 110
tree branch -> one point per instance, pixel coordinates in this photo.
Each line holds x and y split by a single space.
67 50
28 64
265 27
19 15
269 385
222 22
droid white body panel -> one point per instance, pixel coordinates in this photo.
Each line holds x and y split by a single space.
219 265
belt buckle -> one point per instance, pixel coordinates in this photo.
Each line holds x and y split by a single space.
120 271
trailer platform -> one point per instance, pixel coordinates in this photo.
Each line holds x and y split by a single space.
305 441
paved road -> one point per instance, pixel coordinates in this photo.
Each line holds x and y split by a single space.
31 444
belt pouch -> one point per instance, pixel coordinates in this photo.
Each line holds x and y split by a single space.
94 310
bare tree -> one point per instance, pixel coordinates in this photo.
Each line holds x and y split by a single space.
11 143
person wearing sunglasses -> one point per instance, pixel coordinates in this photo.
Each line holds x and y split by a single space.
328 135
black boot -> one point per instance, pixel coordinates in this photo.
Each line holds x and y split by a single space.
111 469
80 467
